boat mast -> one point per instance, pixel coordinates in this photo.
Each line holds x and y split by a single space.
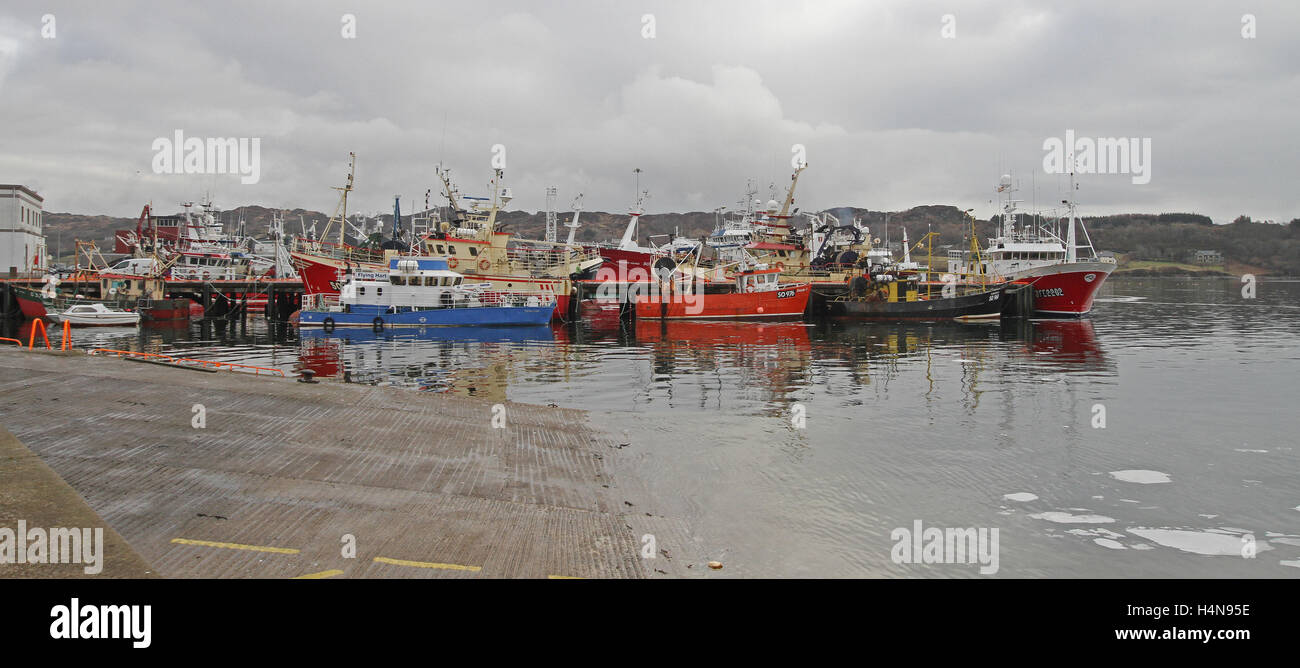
1071 249
789 194
341 211
633 231
500 197
551 217
573 224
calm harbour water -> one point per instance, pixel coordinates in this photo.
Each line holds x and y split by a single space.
795 449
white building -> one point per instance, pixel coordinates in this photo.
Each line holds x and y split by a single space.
22 244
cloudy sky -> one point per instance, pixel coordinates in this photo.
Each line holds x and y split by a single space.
895 104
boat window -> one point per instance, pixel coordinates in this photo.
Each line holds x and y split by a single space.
379 291
440 250
361 289
473 252
451 250
456 280
430 281
397 280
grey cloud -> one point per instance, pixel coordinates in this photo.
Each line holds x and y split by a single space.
892 115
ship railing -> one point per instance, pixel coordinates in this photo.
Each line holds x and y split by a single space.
492 298
546 257
338 251
320 301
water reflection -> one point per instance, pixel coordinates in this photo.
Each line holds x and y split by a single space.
473 361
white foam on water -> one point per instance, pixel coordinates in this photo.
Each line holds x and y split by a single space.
1020 496
1130 501
1285 541
1245 450
1197 542
1143 547
1067 518
1140 476
1112 544
1293 564
1098 498
1208 517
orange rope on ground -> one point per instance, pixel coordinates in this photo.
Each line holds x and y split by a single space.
257 369
20 343
119 353
177 360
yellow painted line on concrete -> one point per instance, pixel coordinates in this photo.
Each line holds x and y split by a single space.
319 576
563 577
426 564
235 546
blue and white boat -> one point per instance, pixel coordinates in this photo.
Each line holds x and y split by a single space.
424 292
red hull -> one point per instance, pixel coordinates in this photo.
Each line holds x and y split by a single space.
1065 290
613 256
787 303
31 309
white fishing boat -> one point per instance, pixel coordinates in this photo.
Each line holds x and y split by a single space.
95 314
1065 273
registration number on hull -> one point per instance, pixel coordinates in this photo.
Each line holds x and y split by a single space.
1050 292
782 294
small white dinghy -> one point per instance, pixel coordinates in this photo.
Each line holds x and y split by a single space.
95 314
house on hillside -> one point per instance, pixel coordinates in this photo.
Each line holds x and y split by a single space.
1207 257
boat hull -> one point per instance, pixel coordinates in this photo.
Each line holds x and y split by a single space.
115 320
1065 290
323 276
786 303
985 305
630 259
31 306
484 316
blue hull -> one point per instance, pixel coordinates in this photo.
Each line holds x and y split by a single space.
361 335
484 316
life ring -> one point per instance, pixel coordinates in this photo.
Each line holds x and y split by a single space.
484 264
378 324
749 288
328 324
206 275
780 266
452 262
